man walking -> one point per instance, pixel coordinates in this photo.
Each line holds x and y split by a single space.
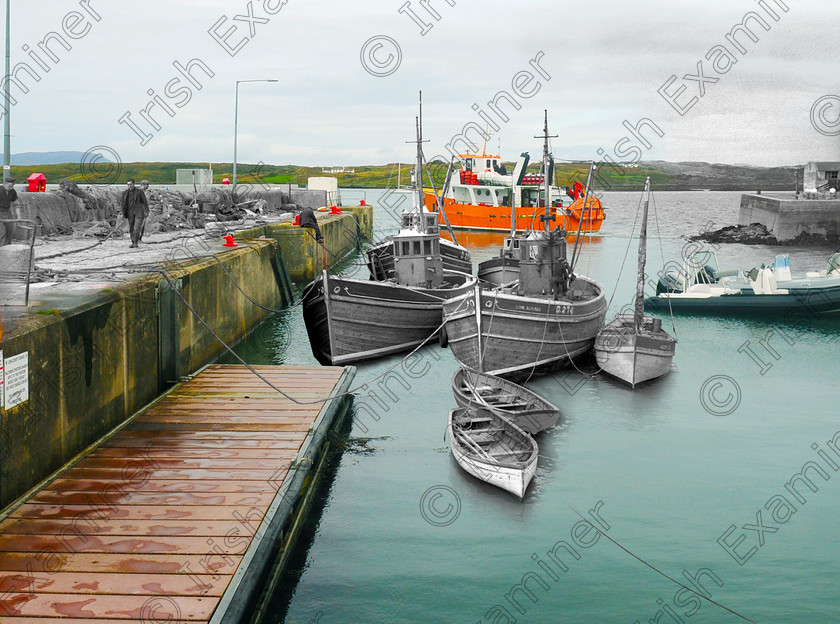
135 207
8 195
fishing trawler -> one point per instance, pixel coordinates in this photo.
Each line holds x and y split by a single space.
486 197
539 323
455 257
349 320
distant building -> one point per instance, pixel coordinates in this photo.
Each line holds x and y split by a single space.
820 175
201 177
337 170
330 185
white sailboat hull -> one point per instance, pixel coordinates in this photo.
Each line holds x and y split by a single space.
634 357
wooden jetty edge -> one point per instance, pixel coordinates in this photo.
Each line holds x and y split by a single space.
184 514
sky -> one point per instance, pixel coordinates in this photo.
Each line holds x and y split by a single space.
348 76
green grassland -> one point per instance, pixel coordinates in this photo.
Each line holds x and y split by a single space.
664 175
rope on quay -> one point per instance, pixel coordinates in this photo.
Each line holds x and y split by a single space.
248 366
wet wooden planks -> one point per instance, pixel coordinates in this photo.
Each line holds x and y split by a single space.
153 524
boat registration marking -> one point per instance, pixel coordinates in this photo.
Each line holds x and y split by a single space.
560 309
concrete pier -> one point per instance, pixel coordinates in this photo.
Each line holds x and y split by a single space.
100 346
788 218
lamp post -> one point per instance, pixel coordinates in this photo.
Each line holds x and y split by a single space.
236 122
7 140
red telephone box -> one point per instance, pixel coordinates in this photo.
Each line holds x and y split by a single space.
37 183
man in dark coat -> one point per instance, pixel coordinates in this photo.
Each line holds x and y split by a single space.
8 194
308 220
135 208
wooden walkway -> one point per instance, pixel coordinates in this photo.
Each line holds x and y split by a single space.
176 516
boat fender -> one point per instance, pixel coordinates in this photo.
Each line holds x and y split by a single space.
443 338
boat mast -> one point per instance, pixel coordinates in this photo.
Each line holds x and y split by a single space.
512 208
418 176
582 212
639 312
546 137
441 201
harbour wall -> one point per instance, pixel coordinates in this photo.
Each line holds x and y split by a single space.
98 357
789 218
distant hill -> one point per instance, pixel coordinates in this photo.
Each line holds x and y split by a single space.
722 177
678 176
47 158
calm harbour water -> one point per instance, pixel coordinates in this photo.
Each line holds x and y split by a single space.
402 535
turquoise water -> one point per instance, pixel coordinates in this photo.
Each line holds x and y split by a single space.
403 535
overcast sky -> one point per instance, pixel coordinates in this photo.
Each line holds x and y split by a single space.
600 63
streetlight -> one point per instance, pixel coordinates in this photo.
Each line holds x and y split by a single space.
236 122
7 141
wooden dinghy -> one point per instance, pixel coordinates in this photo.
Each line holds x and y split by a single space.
491 448
528 411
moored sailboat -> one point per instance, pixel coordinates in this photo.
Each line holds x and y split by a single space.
634 348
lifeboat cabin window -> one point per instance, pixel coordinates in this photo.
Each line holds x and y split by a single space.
468 164
406 248
427 247
417 248
487 165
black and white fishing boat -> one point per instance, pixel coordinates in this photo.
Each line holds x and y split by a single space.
381 256
538 324
350 320
633 347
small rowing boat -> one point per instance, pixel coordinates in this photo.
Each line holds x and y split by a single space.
529 411
491 448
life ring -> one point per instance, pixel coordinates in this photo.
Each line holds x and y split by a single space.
443 338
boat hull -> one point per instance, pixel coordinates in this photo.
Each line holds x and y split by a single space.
351 320
498 218
515 337
796 303
634 357
514 470
527 410
381 258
